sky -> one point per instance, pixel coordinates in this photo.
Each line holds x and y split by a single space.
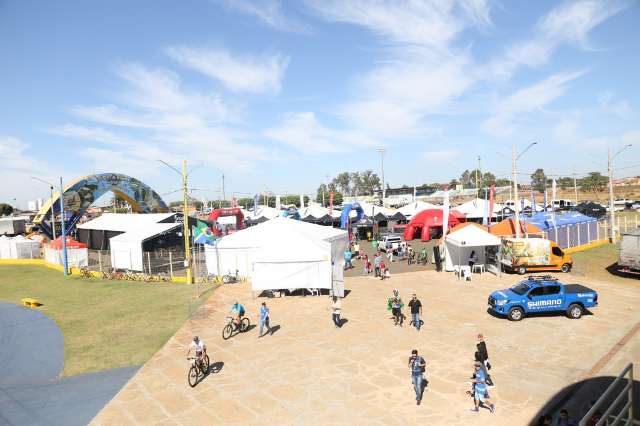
279 95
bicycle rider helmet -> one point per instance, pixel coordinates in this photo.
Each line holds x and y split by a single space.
196 338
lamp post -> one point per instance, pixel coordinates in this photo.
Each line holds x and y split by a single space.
515 185
53 210
65 263
611 209
185 220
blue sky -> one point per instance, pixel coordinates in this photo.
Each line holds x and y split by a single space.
278 95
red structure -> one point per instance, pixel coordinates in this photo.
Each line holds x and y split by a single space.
428 221
234 211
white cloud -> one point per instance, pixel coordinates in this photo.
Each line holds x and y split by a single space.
529 99
620 108
568 23
269 12
566 131
253 74
305 133
615 142
96 134
442 155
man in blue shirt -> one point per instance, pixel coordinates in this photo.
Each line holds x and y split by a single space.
238 312
264 319
347 259
417 366
480 395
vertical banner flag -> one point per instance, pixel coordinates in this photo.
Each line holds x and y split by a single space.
278 204
533 202
546 201
234 202
414 194
486 209
445 212
331 204
302 201
491 202
553 191
255 205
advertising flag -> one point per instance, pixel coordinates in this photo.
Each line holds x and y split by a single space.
278 204
545 202
255 205
553 191
302 201
491 202
331 204
445 212
533 202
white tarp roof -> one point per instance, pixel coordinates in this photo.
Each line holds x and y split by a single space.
145 232
314 211
371 210
472 236
475 208
263 211
413 208
123 222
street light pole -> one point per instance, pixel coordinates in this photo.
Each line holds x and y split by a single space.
612 215
384 188
515 185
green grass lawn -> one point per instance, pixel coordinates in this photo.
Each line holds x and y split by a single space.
593 263
105 324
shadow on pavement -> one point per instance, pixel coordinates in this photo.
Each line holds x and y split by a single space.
614 269
215 367
577 397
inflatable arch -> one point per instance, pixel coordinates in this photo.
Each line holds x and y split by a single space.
233 211
426 220
346 209
83 192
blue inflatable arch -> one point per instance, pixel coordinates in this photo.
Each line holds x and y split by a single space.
346 209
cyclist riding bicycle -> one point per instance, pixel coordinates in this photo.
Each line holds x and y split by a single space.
238 312
199 348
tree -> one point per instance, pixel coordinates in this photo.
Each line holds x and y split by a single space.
370 182
5 209
488 179
564 182
343 182
538 180
595 181
503 182
453 183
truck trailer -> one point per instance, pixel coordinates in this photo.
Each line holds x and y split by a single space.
629 256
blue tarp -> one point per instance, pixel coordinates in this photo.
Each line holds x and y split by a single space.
549 220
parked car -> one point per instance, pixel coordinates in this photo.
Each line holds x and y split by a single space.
524 255
542 294
395 241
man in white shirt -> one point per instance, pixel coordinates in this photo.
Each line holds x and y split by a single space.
199 348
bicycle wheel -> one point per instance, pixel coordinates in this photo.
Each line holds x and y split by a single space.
205 365
227 331
244 324
193 376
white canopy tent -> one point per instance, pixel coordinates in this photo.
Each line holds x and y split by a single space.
19 248
126 249
411 209
475 209
370 210
263 212
283 254
460 243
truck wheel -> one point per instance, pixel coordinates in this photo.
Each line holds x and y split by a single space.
515 314
566 268
522 270
574 311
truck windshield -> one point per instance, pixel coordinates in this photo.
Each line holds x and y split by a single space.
520 288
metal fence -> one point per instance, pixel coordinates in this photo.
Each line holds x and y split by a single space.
168 263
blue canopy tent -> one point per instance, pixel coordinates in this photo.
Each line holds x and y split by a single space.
569 229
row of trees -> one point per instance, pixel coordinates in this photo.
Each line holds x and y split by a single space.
246 202
594 181
346 183
476 177
5 209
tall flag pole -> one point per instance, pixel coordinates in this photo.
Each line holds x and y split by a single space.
255 205
445 212
533 202
302 201
491 202
331 204
553 191
486 207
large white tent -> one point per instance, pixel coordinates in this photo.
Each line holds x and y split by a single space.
467 238
371 210
19 248
476 208
127 251
411 209
263 213
283 254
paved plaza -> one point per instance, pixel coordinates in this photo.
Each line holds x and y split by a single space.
309 372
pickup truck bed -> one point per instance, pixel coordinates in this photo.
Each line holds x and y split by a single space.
576 288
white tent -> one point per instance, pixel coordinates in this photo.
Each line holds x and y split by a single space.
410 209
263 212
315 212
124 222
460 243
283 254
19 248
371 210
126 248
475 209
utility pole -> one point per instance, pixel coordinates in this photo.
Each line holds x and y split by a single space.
384 188
612 215
224 197
187 248
575 185
516 225
65 260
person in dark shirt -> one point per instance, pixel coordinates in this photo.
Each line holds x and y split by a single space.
484 357
416 311
417 365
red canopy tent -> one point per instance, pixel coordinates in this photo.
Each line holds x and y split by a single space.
71 243
429 219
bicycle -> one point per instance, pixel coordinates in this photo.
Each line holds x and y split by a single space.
198 366
85 273
231 327
231 279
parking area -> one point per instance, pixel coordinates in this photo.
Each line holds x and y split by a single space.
309 372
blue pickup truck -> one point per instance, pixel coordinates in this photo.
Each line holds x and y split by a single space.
542 294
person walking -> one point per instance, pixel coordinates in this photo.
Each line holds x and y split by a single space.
356 250
424 257
484 358
473 258
416 311
480 394
264 320
396 310
347 259
417 365
365 265
382 269
336 310
389 251
376 263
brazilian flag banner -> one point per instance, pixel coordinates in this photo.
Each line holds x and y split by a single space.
202 233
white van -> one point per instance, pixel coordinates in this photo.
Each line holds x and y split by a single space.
395 241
